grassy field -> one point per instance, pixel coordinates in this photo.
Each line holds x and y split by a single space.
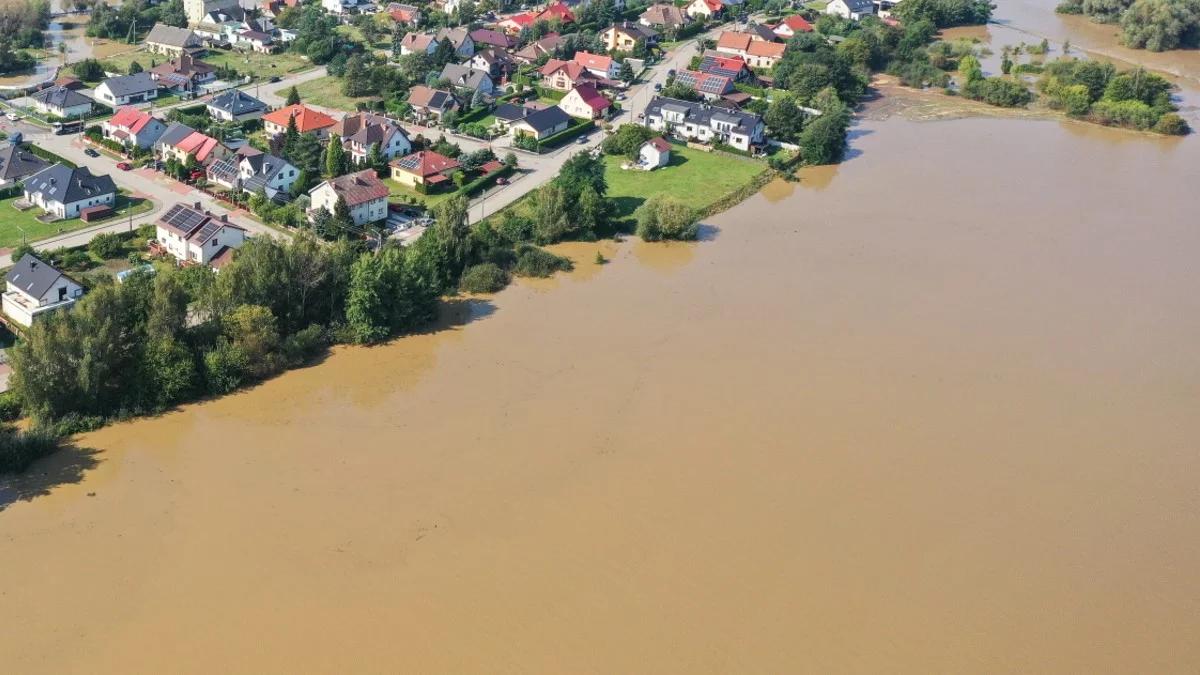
16 224
325 92
253 64
408 194
696 177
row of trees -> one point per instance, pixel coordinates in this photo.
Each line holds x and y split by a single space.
133 18
1135 98
1157 25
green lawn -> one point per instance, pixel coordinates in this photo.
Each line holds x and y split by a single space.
12 221
257 65
325 92
696 177
408 194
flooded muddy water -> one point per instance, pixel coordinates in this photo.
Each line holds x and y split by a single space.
931 411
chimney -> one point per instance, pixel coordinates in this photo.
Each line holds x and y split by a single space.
224 217
196 206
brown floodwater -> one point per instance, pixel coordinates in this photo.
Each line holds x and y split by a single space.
931 411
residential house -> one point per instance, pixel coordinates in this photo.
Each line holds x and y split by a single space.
850 9
171 41
307 121
196 10
405 14
183 74
256 40
33 288
254 171
605 67
430 103
447 7
708 85
705 10
490 38
197 237
363 192
654 153
732 67
514 24
133 128
564 75
182 143
506 114
586 102
127 89
558 12
235 105
624 36
532 52
541 124
70 82
755 51
362 131
417 43
791 25
702 122
496 63
460 39
467 79
761 32
61 102
423 170
63 192
663 17
16 163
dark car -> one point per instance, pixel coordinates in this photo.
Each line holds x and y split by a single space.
91 153
274 79
657 86
671 73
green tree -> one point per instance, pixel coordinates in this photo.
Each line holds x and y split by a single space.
784 118
665 217
970 68
172 14
341 215
135 68
336 161
626 74
293 96
823 141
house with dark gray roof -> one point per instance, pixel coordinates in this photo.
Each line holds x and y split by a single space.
32 288
127 89
16 163
63 192
254 171
62 102
706 123
195 236
171 41
236 105
466 78
850 9
541 124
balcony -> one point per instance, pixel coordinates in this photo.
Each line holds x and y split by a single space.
23 309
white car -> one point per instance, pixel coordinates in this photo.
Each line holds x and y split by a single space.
12 116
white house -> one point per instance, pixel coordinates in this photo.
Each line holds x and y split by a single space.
705 123
364 193
61 102
33 288
850 9
195 236
133 128
64 192
360 132
598 64
541 124
654 153
254 171
127 89
586 102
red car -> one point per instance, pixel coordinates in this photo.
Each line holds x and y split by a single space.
124 166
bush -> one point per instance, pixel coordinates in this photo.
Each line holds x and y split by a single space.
107 245
998 91
303 345
19 449
627 140
10 406
665 217
484 278
224 368
1172 125
535 262
1130 113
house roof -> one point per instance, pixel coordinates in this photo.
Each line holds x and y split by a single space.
33 276
174 133
193 223
65 185
127 85
493 56
69 81
17 162
556 11
703 113
859 6
729 66
61 97
664 15
131 118
171 36
307 119
705 83
358 188
733 40
546 119
714 6
403 13
634 30
493 38
659 143
366 129
464 76
573 70
255 36
197 144
591 97
421 96
593 61
417 42
796 23
185 65
425 163
456 36
508 112
236 102
767 49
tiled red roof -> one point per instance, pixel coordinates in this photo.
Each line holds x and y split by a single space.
573 70
593 61
131 118
760 48
593 98
733 40
660 144
797 23
556 11
359 188
198 144
426 163
307 119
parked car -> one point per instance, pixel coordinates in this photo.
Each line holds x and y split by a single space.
671 72
658 86
196 175
91 152
501 181
274 79
124 166
582 140
12 116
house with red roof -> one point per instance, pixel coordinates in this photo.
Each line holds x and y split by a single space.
556 12
598 64
705 9
423 170
654 153
307 121
564 75
181 143
792 25
133 128
752 48
515 23
586 102
363 192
